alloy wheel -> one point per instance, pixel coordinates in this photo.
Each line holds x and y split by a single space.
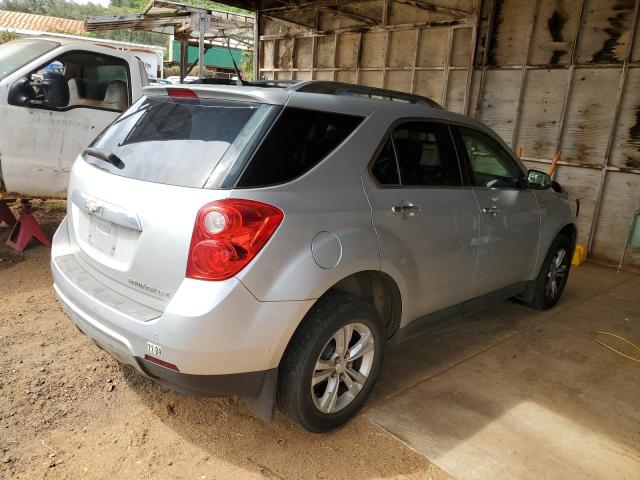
557 273
343 367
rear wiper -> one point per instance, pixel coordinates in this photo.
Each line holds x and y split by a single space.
105 155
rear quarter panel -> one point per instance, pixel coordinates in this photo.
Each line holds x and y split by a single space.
328 198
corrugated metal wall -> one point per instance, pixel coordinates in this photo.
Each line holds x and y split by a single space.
547 75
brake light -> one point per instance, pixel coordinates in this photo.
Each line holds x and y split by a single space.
227 235
181 93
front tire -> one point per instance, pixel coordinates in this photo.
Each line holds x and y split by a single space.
553 276
331 363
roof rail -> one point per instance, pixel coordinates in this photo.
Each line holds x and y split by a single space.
273 83
339 88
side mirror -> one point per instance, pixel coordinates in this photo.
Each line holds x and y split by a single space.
539 180
56 90
21 93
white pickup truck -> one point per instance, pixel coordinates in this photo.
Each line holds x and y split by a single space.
56 96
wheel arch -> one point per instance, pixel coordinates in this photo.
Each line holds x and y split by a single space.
375 287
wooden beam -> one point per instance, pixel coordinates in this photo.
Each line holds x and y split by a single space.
614 128
256 46
523 76
287 22
415 59
567 92
366 28
445 72
431 7
466 107
485 57
309 5
353 16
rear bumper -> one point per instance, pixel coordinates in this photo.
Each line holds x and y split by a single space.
222 340
247 384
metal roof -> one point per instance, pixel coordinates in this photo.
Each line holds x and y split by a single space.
41 23
172 18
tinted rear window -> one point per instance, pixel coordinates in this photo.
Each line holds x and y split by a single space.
181 141
298 141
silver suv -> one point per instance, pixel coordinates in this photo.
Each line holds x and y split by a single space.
269 242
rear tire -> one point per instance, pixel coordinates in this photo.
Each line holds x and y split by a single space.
553 276
331 363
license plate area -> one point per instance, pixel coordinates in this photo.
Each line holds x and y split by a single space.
103 235
154 350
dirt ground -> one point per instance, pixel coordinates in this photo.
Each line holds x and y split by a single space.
68 410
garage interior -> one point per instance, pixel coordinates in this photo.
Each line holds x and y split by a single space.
507 393
548 76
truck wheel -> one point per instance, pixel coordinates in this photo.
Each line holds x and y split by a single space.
331 363
552 279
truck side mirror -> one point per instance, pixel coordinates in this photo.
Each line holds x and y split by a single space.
538 180
21 93
56 89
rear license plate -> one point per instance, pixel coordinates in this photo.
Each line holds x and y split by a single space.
154 350
102 235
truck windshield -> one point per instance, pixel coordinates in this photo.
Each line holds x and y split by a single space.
178 141
18 53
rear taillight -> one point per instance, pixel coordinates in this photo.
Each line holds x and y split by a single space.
227 235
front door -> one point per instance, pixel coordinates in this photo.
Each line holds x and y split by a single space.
426 220
509 213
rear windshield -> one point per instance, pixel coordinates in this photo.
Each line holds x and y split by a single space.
18 53
180 141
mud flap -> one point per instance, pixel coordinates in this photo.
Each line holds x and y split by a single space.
264 404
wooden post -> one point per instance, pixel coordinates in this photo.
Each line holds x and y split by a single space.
445 72
256 47
415 60
485 57
567 92
467 88
201 30
613 131
523 77
184 52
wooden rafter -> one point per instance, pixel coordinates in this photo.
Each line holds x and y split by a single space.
432 7
353 16
286 21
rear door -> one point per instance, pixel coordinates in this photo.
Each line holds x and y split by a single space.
509 213
426 219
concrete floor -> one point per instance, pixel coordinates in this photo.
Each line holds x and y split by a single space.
516 393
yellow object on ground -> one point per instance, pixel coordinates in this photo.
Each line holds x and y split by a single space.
594 337
579 255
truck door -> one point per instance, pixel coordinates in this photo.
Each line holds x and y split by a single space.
43 138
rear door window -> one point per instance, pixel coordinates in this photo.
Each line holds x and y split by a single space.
426 155
298 141
180 141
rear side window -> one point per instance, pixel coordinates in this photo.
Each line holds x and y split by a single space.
298 141
426 155
418 154
180 141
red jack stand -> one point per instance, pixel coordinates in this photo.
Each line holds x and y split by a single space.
25 230
6 215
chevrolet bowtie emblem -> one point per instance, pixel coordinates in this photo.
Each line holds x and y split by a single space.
92 207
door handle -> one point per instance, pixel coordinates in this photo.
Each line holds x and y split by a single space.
405 208
493 211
